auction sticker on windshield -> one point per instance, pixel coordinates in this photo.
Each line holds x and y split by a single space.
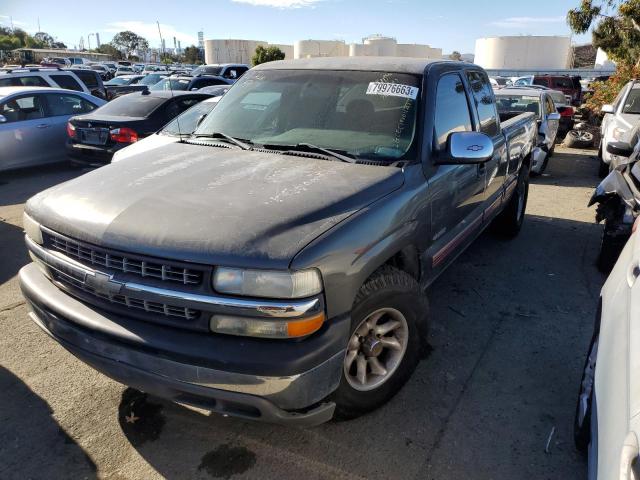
393 90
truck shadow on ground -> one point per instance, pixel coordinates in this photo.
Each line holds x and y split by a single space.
52 453
564 167
510 324
13 254
18 186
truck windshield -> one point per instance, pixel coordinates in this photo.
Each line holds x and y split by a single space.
518 103
632 102
364 114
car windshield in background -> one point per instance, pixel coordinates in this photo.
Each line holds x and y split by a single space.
133 105
171 84
518 103
558 98
364 114
151 79
186 123
632 102
119 81
204 70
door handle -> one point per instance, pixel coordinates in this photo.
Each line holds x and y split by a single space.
43 125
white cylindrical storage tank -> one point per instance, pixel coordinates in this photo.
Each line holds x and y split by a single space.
230 51
286 49
382 46
360 50
523 52
320 48
603 62
418 51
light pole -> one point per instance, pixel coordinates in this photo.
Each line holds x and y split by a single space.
89 39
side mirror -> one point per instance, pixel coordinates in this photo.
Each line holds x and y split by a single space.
3 119
467 148
555 116
608 109
622 149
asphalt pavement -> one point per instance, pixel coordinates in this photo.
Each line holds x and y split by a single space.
511 321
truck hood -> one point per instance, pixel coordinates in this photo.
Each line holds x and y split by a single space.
212 205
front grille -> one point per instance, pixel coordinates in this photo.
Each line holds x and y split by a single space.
91 255
131 302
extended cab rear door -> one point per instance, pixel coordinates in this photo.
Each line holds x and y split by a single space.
488 122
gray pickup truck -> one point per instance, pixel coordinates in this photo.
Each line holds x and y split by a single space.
273 266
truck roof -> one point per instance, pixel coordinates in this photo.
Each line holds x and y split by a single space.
383 64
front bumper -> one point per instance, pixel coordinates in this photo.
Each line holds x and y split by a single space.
120 349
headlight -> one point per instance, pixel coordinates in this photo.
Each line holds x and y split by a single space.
618 133
32 229
266 283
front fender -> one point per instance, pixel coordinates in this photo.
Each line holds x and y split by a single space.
349 253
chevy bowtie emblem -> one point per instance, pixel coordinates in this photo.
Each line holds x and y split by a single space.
475 148
104 284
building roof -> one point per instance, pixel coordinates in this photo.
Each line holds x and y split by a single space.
382 64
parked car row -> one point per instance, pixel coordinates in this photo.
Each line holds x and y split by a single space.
41 125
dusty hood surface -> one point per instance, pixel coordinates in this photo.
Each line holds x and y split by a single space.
212 205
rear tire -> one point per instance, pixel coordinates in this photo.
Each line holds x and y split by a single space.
611 245
579 139
509 222
582 420
389 296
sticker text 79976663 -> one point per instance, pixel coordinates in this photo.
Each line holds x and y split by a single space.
392 90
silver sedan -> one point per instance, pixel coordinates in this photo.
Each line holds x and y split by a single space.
33 122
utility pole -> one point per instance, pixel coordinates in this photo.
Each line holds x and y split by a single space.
39 24
161 40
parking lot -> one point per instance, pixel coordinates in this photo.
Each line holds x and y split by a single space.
495 399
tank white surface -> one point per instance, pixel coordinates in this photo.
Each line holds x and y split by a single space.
523 52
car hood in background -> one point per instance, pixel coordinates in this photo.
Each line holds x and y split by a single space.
147 144
212 205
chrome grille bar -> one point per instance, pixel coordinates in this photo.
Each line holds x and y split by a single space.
96 256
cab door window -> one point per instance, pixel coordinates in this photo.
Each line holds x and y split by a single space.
484 101
452 110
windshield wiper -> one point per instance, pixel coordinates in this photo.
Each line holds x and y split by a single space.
224 136
307 147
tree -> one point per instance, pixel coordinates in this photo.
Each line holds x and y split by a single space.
129 42
269 54
456 56
110 50
44 39
191 54
615 24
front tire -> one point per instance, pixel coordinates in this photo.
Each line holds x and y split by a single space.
603 168
388 328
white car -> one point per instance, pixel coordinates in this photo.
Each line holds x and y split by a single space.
181 126
620 119
42 77
607 424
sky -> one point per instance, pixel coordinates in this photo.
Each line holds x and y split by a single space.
450 25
